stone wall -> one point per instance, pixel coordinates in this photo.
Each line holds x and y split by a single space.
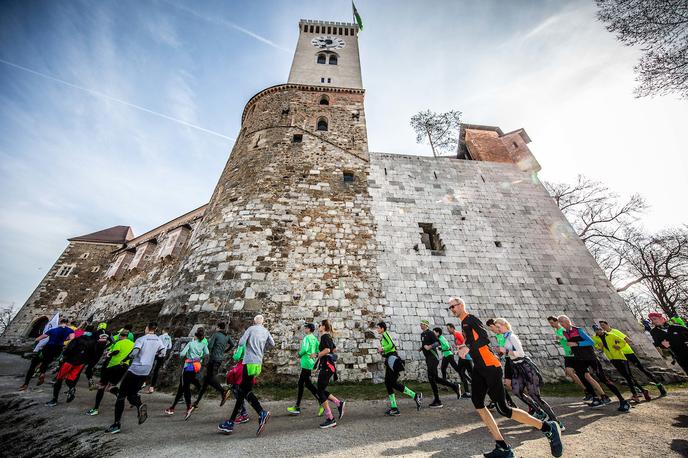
540 267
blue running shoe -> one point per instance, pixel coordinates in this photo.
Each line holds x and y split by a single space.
554 437
500 452
227 427
262 420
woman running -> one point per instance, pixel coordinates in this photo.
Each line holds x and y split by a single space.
309 347
193 353
327 360
525 374
394 365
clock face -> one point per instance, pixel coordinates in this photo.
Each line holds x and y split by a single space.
328 42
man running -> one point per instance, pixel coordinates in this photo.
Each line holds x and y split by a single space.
465 363
630 355
250 350
103 341
160 360
394 365
583 349
487 379
146 348
569 360
669 336
78 353
113 369
429 345
309 347
57 337
218 345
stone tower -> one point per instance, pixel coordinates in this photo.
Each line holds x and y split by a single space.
288 232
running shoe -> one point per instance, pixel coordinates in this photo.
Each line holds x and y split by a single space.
596 403
114 429
418 398
142 413
500 452
562 428
542 416
635 399
169 411
262 420
71 394
458 392
646 395
588 397
624 406
225 396
554 437
328 424
92 412
491 406
189 411
296 410
321 411
436 404
23 388
393 412
151 390
340 408
51 403
606 400
243 418
662 390
41 379
466 396
227 427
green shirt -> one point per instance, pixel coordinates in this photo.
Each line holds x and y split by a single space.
124 347
609 351
626 349
446 348
195 349
562 341
309 346
501 340
387 344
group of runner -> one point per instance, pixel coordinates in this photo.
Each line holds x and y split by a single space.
483 370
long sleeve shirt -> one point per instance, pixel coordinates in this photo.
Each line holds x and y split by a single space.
254 342
513 346
309 346
478 342
585 348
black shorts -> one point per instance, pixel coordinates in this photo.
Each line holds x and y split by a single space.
113 375
569 362
508 369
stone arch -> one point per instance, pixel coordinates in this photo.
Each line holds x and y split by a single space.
37 326
322 124
324 99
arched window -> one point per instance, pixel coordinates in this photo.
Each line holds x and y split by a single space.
324 100
322 59
322 124
37 327
333 59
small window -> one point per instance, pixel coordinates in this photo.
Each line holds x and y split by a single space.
333 60
297 138
61 296
322 80
346 32
560 281
311 29
515 144
322 124
431 239
348 177
329 80
95 268
322 59
84 256
324 100
498 244
64 270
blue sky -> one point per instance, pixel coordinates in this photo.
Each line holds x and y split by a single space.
79 157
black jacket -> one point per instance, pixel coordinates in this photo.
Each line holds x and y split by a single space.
81 350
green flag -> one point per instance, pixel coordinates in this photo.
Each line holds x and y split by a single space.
357 17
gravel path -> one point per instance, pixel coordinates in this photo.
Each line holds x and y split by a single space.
28 428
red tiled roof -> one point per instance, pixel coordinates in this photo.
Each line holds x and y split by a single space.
115 235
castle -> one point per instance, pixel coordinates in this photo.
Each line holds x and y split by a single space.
305 224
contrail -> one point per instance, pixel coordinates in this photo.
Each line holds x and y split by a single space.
114 99
225 23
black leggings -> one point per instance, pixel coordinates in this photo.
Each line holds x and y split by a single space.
624 369
128 389
109 376
43 359
159 362
245 392
324 377
305 381
210 380
464 367
187 379
489 381
581 369
632 358
434 379
392 380
527 376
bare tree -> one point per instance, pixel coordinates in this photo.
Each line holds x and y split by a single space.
640 303
660 29
440 130
5 316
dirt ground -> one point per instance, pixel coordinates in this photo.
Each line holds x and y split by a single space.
30 429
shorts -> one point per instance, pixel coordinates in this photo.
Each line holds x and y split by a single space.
569 362
508 369
113 375
69 371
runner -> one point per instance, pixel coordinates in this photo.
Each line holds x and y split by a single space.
394 365
508 373
113 369
429 345
672 337
447 355
193 354
218 345
250 350
487 379
569 360
465 363
309 347
103 341
632 357
57 337
611 345
143 355
584 351
160 360
328 370
80 351
526 375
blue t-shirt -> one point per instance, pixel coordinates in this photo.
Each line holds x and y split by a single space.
57 336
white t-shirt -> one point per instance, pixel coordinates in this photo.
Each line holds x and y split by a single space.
148 346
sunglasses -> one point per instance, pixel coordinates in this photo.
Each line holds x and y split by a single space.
451 307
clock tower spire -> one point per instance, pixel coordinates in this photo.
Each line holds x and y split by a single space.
327 55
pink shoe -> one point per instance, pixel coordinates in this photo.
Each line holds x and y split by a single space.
241 419
151 390
169 411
